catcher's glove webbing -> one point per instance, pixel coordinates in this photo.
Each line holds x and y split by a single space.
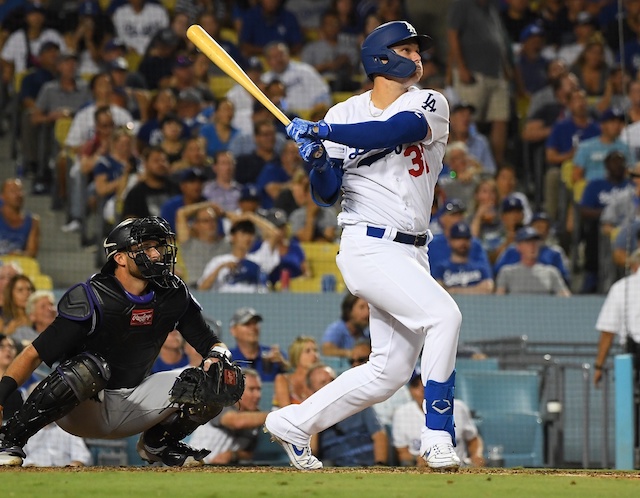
222 384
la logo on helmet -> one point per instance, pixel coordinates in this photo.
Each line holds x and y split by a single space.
410 28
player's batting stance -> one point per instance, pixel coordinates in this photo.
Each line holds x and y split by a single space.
107 335
385 147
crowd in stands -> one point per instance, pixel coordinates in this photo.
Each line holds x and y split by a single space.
116 113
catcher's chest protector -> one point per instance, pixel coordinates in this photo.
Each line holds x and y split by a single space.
129 334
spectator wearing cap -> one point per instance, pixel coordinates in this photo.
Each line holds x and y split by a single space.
588 162
463 129
158 61
517 17
268 22
31 86
199 238
452 212
462 173
531 65
190 109
219 132
245 327
276 177
183 78
305 86
584 28
111 50
131 86
528 276
235 271
249 200
191 182
459 275
223 189
249 166
137 21
625 207
548 254
511 219
153 189
21 49
277 251
93 29
597 194
310 222
243 101
335 60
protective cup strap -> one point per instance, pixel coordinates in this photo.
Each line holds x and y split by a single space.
438 398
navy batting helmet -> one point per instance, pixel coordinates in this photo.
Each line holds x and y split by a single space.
129 235
377 56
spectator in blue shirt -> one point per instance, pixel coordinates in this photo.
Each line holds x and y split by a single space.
172 354
458 274
588 162
531 66
439 249
463 129
269 361
269 22
596 196
191 184
219 132
340 336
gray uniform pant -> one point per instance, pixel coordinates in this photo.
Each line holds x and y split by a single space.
123 412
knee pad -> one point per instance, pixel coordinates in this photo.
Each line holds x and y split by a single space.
74 381
438 397
86 374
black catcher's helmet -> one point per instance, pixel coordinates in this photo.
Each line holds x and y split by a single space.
128 237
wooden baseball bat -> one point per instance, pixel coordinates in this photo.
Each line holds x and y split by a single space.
219 56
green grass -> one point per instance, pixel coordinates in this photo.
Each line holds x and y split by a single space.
226 483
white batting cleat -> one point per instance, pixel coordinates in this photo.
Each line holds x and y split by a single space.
11 456
300 457
442 456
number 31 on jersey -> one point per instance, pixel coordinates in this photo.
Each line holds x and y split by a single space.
418 162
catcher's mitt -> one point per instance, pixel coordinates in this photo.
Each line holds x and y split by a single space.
222 384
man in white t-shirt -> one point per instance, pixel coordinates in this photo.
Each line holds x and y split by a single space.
408 421
620 315
137 22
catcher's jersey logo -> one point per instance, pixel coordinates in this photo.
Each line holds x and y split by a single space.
140 318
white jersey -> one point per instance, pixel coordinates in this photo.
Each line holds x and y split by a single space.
620 313
391 187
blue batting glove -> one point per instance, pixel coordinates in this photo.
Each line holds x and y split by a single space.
312 152
300 128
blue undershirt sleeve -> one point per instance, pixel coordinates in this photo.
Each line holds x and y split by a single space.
325 183
404 128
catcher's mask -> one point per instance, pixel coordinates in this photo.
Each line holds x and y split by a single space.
138 237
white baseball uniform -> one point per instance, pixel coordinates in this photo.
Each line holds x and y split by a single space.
390 190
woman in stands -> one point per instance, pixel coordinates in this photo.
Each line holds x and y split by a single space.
291 388
16 294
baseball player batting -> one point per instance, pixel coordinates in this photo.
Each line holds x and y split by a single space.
106 336
385 148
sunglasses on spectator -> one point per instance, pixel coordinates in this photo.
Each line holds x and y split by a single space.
359 361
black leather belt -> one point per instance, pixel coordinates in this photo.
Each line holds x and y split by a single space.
403 238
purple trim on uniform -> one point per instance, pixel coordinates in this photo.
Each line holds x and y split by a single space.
144 299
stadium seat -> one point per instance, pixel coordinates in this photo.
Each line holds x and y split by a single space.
340 96
321 258
61 129
30 266
42 282
506 405
469 364
229 34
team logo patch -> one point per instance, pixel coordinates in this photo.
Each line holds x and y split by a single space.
230 377
140 318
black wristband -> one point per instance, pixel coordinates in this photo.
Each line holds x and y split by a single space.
8 385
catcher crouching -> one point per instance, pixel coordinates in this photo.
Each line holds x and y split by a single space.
105 339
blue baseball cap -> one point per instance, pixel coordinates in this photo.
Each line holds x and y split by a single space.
88 8
530 31
191 175
249 193
612 114
540 216
512 203
527 233
460 231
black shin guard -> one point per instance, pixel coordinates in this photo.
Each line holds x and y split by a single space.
179 425
74 381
